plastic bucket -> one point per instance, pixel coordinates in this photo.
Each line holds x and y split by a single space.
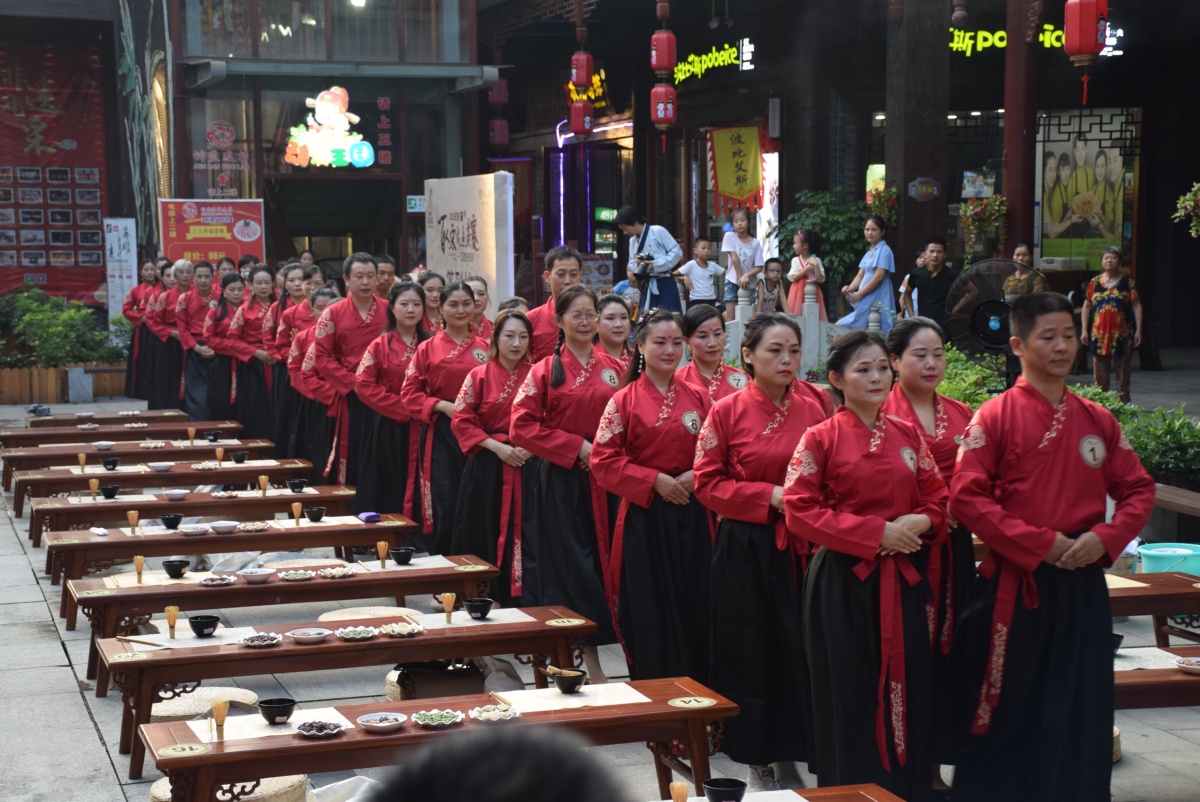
1159 557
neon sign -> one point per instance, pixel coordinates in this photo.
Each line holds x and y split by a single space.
597 93
325 139
969 43
740 56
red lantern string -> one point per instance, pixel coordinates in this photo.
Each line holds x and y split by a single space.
1085 80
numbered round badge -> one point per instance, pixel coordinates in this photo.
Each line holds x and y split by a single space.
609 376
736 380
910 458
480 355
691 422
1092 450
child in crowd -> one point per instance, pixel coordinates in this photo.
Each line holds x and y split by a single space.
767 295
700 276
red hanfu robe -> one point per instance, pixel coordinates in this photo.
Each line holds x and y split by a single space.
482 410
342 336
950 418
191 312
659 598
1027 470
757 643
545 331
161 319
137 302
726 380
484 330
823 399
378 381
217 337
570 548
297 350
167 381
436 373
844 483
294 320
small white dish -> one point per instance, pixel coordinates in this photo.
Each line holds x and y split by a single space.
191 530
177 494
129 413
313 635
87 427
256 576
437 719
495 713
223 527
357 633
401 630
382 722
297 576
329 730
261 640
336 573
1188 665
85 415
104 445
218 581
136 425
161 467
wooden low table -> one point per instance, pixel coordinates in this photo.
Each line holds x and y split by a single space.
71 555
58 514
1165 594
147 677
110 610
129 451
1158 687
849 793
62 480
70 418
198 772
32 438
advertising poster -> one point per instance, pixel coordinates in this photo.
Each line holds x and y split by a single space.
120 258
1086 188
469 230
209 230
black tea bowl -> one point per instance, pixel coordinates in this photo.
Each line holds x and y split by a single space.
204 625
402 555
296 485
110 463
110 491
1117 640
212 435
724 789
314 514
171 520
570 680
176 568
277 711
478 608
239 456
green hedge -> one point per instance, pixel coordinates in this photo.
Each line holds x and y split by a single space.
38 330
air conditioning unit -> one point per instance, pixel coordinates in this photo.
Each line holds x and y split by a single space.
1062 263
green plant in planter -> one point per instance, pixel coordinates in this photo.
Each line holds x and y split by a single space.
970 382
49 332
840 224
1167 441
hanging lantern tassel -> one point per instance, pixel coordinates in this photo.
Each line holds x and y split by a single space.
664 144
1085 80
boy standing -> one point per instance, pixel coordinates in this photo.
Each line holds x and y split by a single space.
700 275
1036 677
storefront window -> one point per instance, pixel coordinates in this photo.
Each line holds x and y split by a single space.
437 31
366 31
219 141
219 28
291 29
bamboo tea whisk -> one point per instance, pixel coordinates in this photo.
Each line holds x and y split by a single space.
296 508
448 600
139 562
220 709
82 462
191 436
381 548
263 481
220 455
679 791
132 517
172 613
94 484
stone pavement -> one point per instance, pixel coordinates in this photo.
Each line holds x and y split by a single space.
62 742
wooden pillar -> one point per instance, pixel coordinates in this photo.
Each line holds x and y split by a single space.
1020 118
917 102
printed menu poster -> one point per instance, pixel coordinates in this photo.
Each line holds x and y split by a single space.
209 230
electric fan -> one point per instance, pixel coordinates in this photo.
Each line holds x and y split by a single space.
977 308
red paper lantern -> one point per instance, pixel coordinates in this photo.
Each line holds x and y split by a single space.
581 117
498 132
662 53
498 93
663 105
1085 28
581 69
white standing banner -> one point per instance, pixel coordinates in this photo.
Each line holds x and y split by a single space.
121 264
469 230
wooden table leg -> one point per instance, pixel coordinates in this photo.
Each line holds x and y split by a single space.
698 746
8 476
193 785
143 703
662 771
1161 639
19 499
70 610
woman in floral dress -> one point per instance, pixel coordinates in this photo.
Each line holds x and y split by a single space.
1112 321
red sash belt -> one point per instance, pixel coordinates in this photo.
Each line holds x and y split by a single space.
612 576
796 546
339 410
414 448
427 477
233 363
1013 581
892 570
600 516
510 515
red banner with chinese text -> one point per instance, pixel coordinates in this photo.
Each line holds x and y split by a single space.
198 229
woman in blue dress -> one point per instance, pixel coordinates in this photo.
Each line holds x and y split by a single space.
873 284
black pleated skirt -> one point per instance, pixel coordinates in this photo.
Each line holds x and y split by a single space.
1051 732
164 370
362 418
254 406
757 648
561 557
311 437
383 474
958 576
286 405
134 371
220 383
842 640
663 608
440 488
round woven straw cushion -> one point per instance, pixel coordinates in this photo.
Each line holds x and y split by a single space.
1116 744
304 563
199 702
347 613
393 687
293 788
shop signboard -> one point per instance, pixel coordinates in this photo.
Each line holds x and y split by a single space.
1050 37
469 230
738 56
209 230
325 139
121 264
924 189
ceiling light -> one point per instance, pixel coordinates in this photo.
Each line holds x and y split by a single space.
358 3
999 111
951 116
976 113
880 116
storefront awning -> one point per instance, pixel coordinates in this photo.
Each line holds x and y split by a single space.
202 73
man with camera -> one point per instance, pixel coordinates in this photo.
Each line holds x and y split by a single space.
653 254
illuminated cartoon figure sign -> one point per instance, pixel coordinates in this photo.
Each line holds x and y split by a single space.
326 139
